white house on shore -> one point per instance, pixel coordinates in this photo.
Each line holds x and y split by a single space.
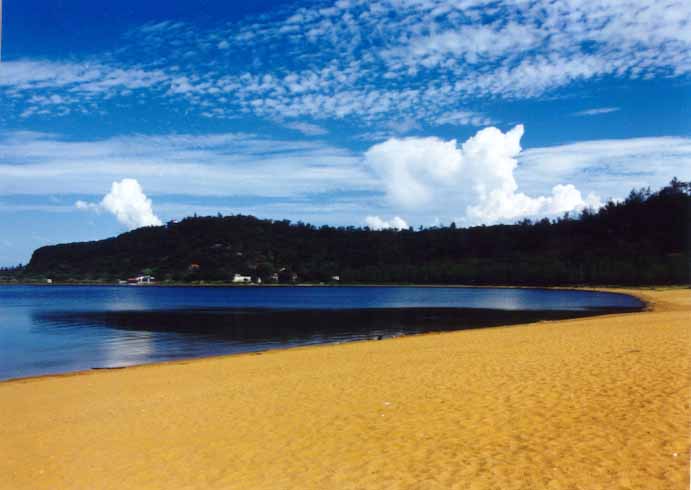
237 278
141 280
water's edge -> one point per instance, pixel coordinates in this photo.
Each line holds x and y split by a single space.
208 320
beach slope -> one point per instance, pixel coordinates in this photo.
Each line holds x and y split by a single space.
595 403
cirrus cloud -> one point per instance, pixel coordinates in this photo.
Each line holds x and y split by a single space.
596 111
370 61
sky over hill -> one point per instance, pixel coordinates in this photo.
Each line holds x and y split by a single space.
387 113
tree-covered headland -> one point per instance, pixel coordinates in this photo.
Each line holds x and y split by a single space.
641 240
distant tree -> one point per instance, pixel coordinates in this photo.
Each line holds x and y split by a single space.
641 240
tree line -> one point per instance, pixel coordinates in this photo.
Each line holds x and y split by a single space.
643 239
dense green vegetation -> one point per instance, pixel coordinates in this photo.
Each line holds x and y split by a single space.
642 240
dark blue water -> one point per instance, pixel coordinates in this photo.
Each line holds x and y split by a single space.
52 329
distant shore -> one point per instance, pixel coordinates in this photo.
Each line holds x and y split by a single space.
597 402
611 288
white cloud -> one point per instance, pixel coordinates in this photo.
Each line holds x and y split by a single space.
307 129
410 168
476 178
56 88
470 43
163 26
463 118
596 111
419 178
87 206
221 164
377 223
77 77
426 58
608 167
127 201
375 60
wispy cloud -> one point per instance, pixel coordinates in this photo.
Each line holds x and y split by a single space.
307 129
596 111
204 165
54 88
76 77
609 167
463 118
484 179
370 61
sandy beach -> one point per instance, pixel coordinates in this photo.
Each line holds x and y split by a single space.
595 403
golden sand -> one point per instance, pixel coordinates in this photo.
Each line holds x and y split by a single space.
599 403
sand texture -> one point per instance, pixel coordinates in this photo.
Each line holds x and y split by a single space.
598 403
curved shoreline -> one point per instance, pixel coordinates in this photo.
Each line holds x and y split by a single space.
540 316
597 402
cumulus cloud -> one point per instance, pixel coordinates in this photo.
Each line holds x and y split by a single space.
127 201
289 179
377 223
476 178
411 167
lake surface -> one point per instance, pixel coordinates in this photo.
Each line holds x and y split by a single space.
54 329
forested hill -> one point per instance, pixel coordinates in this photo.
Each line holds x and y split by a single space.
642 240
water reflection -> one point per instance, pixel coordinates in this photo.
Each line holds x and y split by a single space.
258 328
57 329
129 349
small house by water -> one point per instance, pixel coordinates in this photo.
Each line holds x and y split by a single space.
237 278
141 280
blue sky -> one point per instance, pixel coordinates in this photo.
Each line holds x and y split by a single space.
384 112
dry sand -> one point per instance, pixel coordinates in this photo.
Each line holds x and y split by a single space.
600 403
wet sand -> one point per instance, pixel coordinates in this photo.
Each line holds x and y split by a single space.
595 403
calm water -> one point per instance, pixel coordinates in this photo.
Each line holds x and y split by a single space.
55 329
